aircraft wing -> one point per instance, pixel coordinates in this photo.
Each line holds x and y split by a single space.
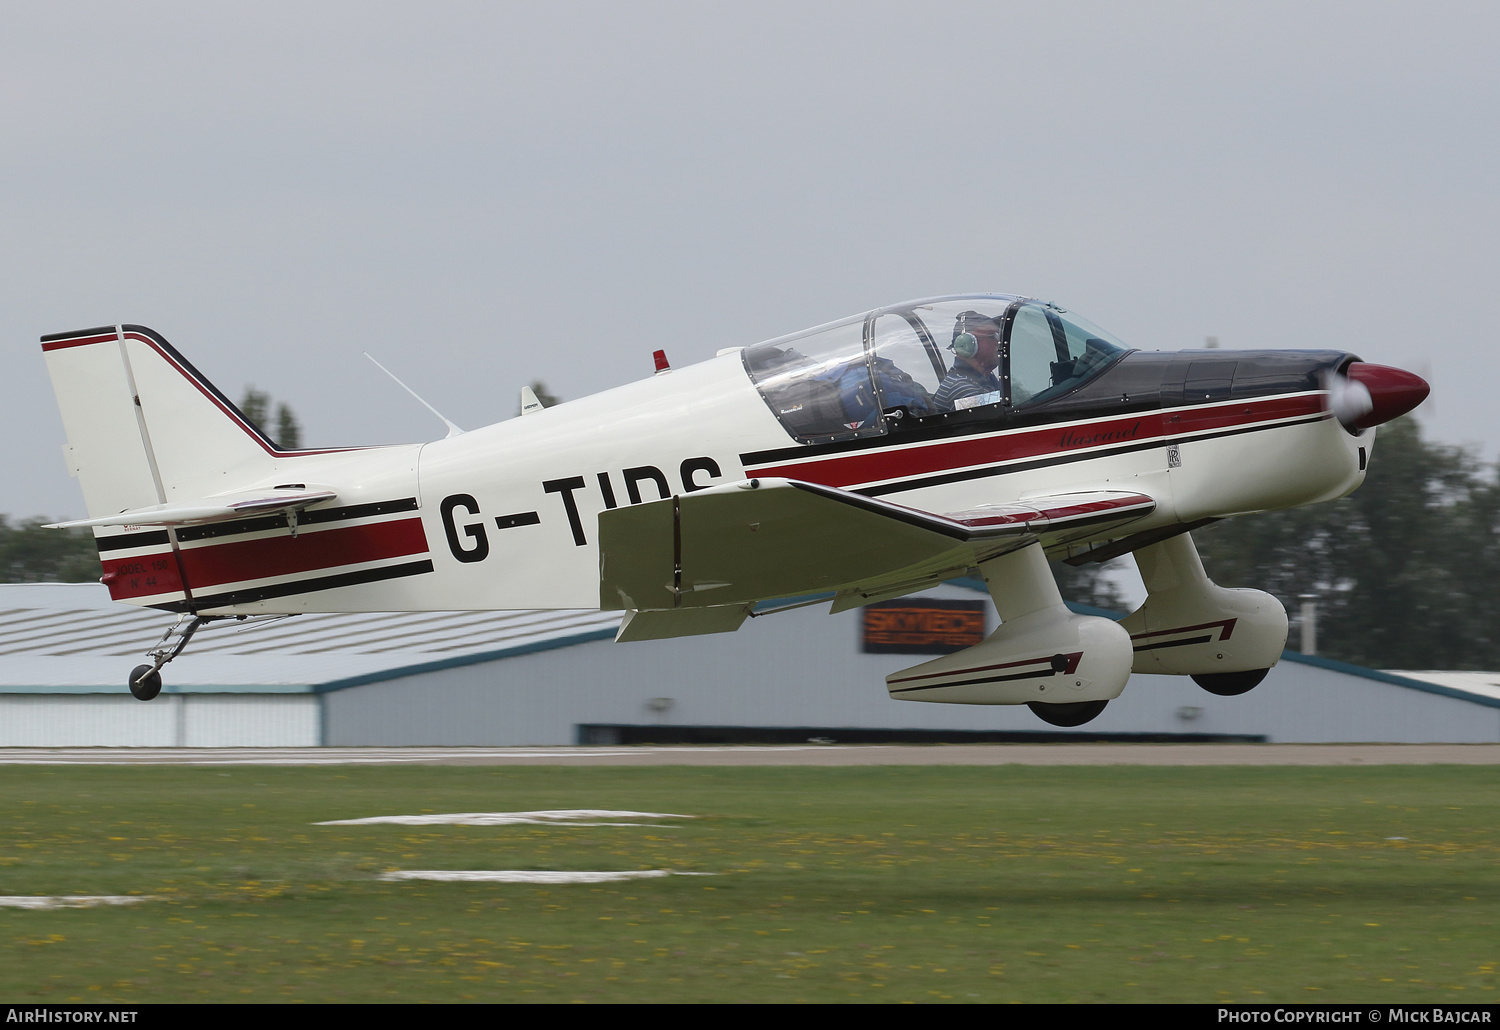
211 509
767 538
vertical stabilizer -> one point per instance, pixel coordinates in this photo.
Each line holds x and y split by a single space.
144 426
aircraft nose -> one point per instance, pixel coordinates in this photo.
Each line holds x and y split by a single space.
1392 392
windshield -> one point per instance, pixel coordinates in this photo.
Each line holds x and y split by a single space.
1052 352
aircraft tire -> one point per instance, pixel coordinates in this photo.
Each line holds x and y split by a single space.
1072 713
144 682
1229 684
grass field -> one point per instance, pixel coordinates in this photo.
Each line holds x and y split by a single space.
833 884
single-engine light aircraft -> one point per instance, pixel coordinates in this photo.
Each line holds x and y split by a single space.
861 460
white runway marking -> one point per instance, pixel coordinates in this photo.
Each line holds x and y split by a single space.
529 875
69 900
561 817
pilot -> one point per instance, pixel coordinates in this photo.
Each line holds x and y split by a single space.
976 353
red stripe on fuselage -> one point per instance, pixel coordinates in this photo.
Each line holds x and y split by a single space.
885 463
215 564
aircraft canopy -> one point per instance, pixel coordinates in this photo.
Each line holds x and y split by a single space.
859 376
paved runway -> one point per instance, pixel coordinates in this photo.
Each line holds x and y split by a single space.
801 754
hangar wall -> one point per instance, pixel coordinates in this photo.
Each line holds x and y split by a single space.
178 720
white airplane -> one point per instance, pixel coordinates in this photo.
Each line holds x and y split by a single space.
861 460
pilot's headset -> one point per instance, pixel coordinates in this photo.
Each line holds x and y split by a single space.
965 344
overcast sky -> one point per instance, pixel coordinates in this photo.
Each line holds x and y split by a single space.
483 194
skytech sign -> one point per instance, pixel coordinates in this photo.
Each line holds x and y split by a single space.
921 626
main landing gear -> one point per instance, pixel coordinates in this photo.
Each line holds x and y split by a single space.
1225 639
1064 666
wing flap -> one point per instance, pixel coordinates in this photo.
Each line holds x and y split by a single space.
766 538
758 539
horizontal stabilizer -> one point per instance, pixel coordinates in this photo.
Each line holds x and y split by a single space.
213 509
767 538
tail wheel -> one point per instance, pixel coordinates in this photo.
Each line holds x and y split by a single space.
1073 713
145 682
1229 684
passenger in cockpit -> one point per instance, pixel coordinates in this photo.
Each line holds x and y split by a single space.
976 353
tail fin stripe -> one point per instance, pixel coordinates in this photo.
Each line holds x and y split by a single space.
63 344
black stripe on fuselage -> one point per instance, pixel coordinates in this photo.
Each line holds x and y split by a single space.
239 527
201 602
150 538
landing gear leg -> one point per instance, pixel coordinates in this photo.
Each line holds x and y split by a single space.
145 680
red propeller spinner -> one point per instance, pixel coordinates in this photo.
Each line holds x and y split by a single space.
1365 395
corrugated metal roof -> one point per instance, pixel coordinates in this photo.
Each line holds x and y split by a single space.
71 637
